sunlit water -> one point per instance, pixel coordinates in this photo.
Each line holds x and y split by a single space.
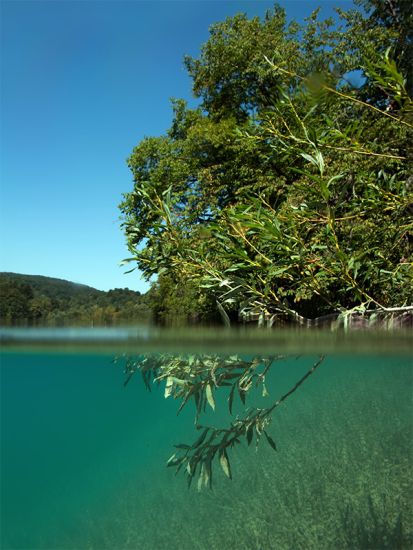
83 457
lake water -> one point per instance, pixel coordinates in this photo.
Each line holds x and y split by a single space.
83 457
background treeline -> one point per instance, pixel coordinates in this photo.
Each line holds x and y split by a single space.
288 190
37 300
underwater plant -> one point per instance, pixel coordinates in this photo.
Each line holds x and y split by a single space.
197 378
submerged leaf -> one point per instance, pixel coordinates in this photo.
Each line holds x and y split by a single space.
270 440
250 433
200 439
241 395
168 386
210 397
231 399
223 460
200 479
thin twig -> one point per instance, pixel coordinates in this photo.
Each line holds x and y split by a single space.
296 386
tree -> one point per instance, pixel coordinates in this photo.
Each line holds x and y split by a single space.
386 24
286 190
15 301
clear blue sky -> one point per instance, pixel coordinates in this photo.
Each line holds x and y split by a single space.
82 82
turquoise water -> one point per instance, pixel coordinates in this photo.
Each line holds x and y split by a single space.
83 459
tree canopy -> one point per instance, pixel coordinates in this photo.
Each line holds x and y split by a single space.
289 189
38 300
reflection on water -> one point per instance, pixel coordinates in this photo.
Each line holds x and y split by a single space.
83 457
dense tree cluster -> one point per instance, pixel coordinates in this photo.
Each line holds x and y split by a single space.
289 189
36 300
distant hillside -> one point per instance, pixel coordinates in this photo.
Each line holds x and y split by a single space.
35 299
50 286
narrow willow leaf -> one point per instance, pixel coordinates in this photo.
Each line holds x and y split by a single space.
223 314
320 161
179 466
184 402
200 479
250 433
231 399
310 158
193 464
182 446
223 460
208 472
146 379
170 459
210 397
196 397
177 461
270 440
200 438
128 378
168 386
202 402
242 395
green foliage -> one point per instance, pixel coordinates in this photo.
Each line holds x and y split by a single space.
15 300
341 478
178 303
391 23
33 299
196 378
287 191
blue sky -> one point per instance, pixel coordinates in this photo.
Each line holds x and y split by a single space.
82 82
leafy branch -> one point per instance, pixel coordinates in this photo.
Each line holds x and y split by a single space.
215 443
391 69
197 377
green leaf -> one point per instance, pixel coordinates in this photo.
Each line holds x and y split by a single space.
250 433
200 438
241 393
209 396
171 460
320 161
309 158
223 460
224 315
231 399
200 479
168 386
270 440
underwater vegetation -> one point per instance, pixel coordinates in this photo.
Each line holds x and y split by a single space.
342 476
92 475
197 378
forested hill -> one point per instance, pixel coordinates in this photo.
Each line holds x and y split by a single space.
35 299
50 286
